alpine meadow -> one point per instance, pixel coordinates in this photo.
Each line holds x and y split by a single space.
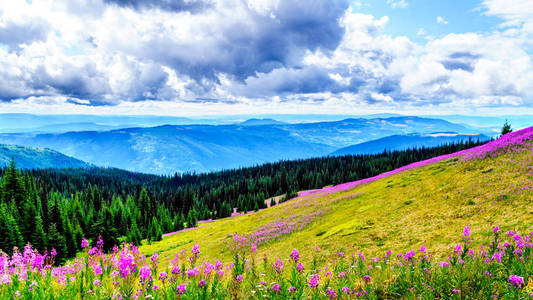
266 149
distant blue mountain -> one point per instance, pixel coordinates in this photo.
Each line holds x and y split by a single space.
198 148
16 123
168 149
35 158
261 122
403 142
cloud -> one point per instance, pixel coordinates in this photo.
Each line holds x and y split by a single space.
254 52
441 20
171 5
16 34
397 3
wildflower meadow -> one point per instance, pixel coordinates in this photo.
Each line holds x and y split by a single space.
502 269
429 232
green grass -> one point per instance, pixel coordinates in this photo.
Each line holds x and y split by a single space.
429 205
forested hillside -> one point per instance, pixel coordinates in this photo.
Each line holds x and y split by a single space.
55 208
33 158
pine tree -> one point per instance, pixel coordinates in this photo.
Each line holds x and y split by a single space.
182 221
38 237
57 241
136 237
145 207
27 218
506 128
192 218
13 189
155 232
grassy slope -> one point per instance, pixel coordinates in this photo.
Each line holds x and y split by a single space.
35 158
429 205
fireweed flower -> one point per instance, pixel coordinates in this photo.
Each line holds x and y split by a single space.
367 278
202 283
292 289
93 251
346 290
176 270
278 265
196 250
466 233
145 273
276 287
97 269
100 242
192 272
443 264
516 281
181 289
300 267
239 278
254 248
163 276
496 229
154 258
295 255
331 293
84 243
313 282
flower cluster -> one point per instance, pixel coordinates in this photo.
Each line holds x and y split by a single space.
126 273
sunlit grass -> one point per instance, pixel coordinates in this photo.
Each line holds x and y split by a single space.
428 205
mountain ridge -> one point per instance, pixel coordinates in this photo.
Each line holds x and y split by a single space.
402 142
37 158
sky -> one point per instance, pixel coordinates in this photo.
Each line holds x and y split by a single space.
213 57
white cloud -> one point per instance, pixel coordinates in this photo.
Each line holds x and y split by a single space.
397 3
232 52
441 20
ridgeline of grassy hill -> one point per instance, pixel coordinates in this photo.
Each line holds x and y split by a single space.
428 205
37 158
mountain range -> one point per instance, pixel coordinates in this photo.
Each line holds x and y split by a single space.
403 142
199 148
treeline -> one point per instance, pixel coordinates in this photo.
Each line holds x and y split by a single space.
55 208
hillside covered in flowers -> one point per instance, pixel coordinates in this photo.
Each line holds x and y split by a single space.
455 226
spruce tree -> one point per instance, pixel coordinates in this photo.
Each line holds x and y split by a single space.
155 232
38 237
506 128
57 241
13 189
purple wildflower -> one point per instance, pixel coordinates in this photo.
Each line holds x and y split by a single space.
276 287
516 281
295 255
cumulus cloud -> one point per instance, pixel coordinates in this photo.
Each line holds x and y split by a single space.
15 34
111 52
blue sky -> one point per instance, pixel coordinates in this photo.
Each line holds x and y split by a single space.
214 57
462 16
